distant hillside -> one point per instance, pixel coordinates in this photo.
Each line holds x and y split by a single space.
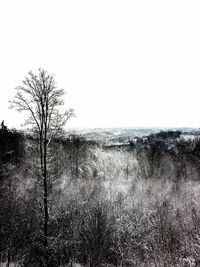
125 134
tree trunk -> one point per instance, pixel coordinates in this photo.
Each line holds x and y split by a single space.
43 160
45 211
8 258
46 215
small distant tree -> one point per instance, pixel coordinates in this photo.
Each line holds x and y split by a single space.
40 98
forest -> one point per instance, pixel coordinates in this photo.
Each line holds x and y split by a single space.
71 201
135 204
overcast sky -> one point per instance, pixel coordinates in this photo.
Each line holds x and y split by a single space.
122 63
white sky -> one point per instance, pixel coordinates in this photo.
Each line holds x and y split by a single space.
123 63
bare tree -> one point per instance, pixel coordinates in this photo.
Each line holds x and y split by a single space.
41 98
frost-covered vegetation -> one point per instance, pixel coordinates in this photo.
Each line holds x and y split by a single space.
130 205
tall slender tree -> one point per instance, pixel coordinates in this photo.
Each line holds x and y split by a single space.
39 96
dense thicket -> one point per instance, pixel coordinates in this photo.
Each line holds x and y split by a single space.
138 202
